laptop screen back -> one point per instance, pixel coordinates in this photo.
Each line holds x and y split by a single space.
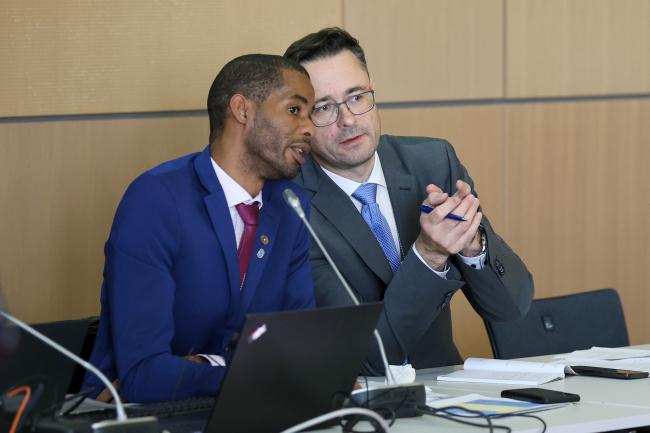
34 362
292 366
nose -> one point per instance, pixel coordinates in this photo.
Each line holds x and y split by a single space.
307 127
346 118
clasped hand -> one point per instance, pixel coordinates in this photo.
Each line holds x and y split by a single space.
442 237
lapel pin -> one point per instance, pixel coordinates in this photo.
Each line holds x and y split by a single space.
264 239
260 253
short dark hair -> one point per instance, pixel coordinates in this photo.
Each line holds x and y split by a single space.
325 43
253 76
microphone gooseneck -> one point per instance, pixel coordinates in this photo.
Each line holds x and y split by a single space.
293 202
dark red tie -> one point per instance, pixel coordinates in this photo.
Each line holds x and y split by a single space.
250 213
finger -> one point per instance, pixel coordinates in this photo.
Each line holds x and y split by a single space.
436 198
467 207
462 228
462 188
474 205
443 209
465 238
432 188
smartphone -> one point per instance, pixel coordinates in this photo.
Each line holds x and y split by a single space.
616 373
540 395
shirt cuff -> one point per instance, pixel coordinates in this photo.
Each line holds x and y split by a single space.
477 262
214 360
442 274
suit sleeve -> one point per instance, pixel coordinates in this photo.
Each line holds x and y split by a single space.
414 299
138 277
503 290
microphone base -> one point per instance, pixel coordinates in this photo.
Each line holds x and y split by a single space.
131 425
402 399
148 424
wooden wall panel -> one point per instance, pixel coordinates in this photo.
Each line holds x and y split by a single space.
60 182
94 56
566 184
430 49
577 47
579 199
476 133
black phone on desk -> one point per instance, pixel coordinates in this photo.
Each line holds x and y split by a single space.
615 373
540 395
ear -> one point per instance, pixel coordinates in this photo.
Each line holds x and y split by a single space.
240 108
372 84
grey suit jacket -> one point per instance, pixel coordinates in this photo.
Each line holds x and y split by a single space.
416 321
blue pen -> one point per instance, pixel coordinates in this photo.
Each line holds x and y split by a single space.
452 216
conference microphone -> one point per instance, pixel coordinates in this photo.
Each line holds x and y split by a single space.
121 424
403 400
293 202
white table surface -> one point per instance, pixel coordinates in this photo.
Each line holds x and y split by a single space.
605 404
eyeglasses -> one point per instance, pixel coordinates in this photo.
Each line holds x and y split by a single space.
327 114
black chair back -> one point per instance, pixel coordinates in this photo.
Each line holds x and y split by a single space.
86 351
562 324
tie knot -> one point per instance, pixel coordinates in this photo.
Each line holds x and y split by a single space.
366 193
250 213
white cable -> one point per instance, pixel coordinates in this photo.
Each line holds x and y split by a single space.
336 414
121 415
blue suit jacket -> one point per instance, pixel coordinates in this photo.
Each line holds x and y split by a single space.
171 279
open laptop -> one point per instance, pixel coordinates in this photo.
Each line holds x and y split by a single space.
291 366
287 367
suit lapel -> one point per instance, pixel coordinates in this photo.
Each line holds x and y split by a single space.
338 209
217 207
404 196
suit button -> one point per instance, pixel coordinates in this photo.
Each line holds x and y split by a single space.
500 269
446 301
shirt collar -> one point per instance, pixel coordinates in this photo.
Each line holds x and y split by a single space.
350 186
233 191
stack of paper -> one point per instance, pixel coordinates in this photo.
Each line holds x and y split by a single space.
506 372
629 359
536 373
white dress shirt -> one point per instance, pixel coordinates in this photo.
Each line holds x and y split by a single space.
235 194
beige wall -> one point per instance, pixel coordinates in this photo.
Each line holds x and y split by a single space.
546 101
96 56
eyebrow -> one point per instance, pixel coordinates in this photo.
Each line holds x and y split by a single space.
347 92
300 98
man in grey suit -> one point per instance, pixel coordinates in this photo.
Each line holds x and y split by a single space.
366 192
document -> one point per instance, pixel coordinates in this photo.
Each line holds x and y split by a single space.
491 405
507 372
628 359
605 354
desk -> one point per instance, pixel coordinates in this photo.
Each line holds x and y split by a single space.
605 405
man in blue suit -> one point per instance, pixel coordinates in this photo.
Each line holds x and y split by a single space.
196 242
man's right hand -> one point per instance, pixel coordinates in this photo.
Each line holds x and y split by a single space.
441 237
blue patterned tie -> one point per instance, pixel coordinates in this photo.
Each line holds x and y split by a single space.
366 194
